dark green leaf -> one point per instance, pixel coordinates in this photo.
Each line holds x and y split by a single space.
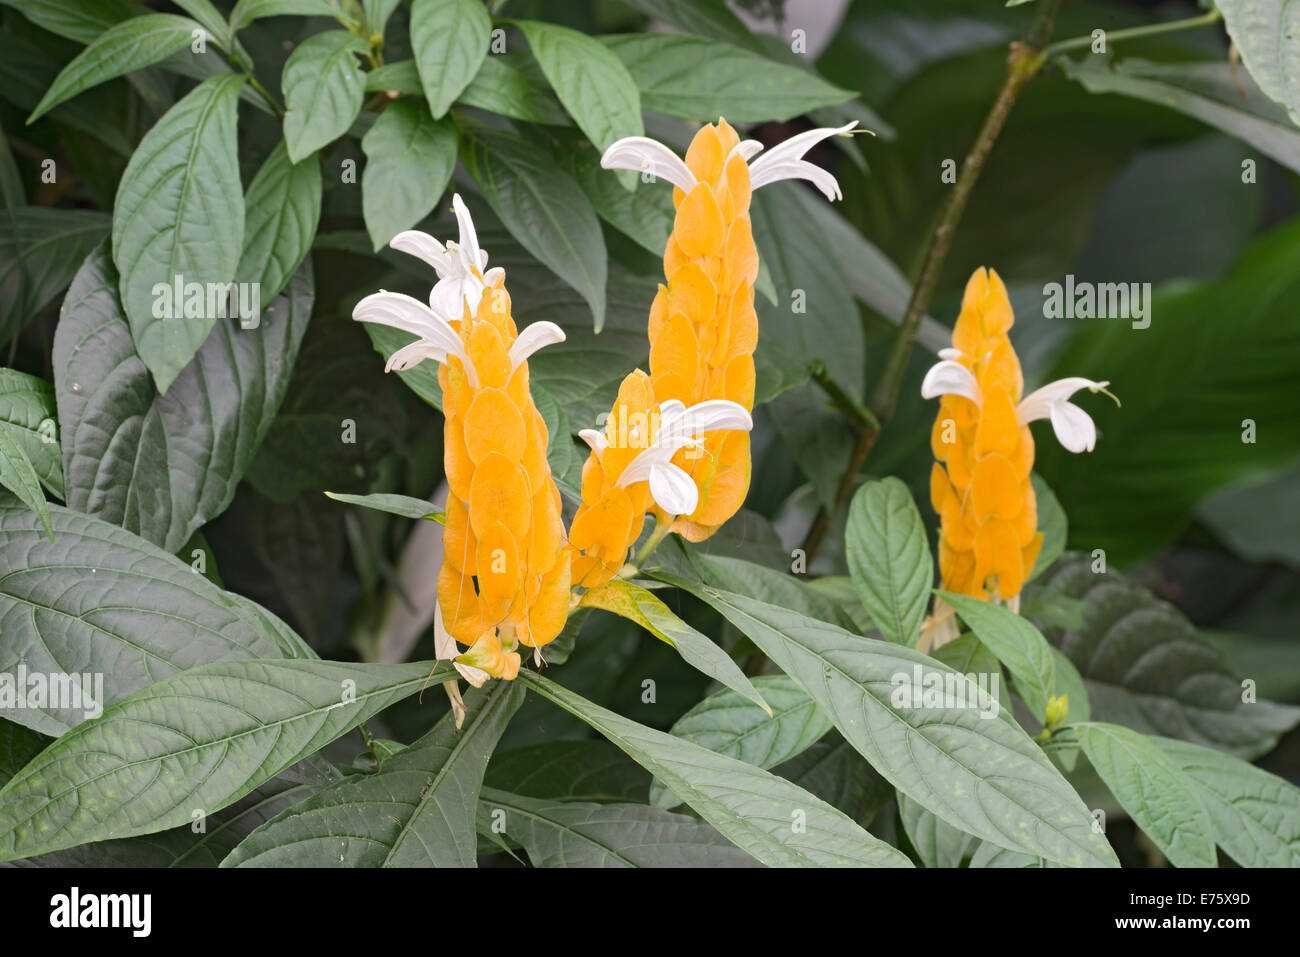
409 159
281 210
889 558
450 41
323 90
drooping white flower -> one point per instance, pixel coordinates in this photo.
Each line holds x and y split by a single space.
671 486
783 161
445 649
1074 427
461 266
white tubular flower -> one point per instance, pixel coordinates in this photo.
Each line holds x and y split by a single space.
438 339
444 649
784 161
460 265
1074 428
670 486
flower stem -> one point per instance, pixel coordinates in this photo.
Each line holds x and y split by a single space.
853 410
647 549
265 94
1152 29
1023 62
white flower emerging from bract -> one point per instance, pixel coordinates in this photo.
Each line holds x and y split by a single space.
460 265
670 486
1074 428
783 161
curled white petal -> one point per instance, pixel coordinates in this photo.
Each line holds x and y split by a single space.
595 438
1074 428
532 338
949 377
644 155
422 246
672 489
412 355
950 353
785 161
747 149
677 428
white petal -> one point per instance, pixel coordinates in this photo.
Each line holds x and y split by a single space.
597 439
677 428
494 275
423 246
670 409
785 161
950 353
533 338
1038 404
449 296
644 155
748 149
1074 428
638 470
412 355
444 649
468 237
673 489
411 315
950 378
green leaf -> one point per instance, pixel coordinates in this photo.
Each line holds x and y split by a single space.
591 770
409 159
753 809
1153 790
417 810
198 740
1145 666
28 417
1016 643
645 214
163 465
99 600
497 87
449 39
730 724
833 770
404 505
1209 92
127 46
694 78
179 212
18 475
937 756
80 20
1254 815
543 209
281 211
1258 29
40 251
1139 487
573 834
937 844
246 11
641 606
323 91
591 82
889 558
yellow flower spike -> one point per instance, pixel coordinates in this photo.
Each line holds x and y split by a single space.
703 327
980 486
503 558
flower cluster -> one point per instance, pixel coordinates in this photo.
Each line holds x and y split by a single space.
703 327
505 573
984 451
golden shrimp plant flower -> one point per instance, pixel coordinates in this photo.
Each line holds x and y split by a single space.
703 327
505 574
980 483
631 468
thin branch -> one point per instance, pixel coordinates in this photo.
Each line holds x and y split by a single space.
1024 61
852 409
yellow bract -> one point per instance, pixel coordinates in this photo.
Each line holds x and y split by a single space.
505 571
610 518
980 484
703 328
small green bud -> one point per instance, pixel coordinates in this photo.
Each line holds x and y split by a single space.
1057 709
